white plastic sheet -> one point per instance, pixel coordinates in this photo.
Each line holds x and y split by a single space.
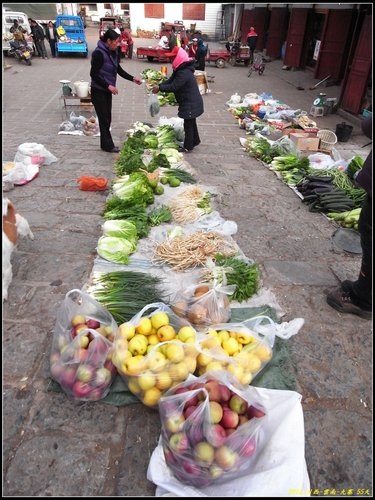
280 466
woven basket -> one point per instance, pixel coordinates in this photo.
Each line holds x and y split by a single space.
327 139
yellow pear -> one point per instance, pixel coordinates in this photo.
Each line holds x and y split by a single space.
166 332
151 396
174 352
126 330
159 319
138 344
144 326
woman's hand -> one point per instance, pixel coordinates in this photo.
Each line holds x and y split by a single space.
155 89
137 80
113 90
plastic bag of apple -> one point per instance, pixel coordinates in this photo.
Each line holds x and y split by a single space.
237 348
81 355
154 351
209 430
203 304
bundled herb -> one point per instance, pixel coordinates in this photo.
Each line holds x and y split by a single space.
125 293
180 174
235 271
159 215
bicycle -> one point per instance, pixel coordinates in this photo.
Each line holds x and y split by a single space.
257 65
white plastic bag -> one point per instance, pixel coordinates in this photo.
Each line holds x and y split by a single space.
153 105
37 152
279 468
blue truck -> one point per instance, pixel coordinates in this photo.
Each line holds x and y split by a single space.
73 38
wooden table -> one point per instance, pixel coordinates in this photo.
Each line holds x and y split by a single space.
86 101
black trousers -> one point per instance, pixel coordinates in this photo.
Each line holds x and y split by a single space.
102 102
52 45
191 133
362 288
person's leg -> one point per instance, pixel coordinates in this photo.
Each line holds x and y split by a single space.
43 49
356 297
130 53
189 124
362 288
196 138
103 107
53 48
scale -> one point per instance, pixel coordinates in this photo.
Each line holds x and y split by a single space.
320 100
66 90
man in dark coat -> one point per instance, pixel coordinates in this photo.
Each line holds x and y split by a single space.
38 35
183 84
355 297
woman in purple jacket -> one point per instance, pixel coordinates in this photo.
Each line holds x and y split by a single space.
105 67
355 297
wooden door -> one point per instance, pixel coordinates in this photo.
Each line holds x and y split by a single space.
359 71
295 38
277 31
258 18
334 44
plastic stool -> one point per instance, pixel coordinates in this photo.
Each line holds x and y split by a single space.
316 111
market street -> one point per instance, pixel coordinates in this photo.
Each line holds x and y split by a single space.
53 446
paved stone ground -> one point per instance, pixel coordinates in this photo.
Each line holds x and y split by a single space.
55 447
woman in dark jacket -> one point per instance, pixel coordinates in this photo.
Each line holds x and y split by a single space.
183 84
355 297
104 70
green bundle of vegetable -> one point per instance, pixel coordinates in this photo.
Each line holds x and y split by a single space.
125 293
355 164
166 136
289 162
119 240
159 215
235 271
133 187
259 147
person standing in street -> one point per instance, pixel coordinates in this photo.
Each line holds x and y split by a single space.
355 297
183 84
172 39
38 35
251 40
105 67
51 35
201 55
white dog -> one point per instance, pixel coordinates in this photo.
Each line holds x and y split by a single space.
14 226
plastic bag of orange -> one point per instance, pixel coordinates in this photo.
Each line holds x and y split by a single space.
87 183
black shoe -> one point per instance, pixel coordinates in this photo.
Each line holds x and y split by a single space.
113 150
184 150
347 285
342 302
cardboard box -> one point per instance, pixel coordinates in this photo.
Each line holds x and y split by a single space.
304 142
201 78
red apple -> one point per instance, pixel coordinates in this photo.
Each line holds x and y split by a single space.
110 366
93 323
81 355
191 467
204 453
81 389
57 369
253 412
179 442
225 393
68 376
243 419
169 456
174 422
230 419
216 412
225 457
85 373
102 377
194 432
216 435
180 390
238 404
76 329
96 394
213 389
188 411
192 401
229 431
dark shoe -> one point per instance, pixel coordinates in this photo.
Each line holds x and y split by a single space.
184 150
113 150
347 285
342 302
